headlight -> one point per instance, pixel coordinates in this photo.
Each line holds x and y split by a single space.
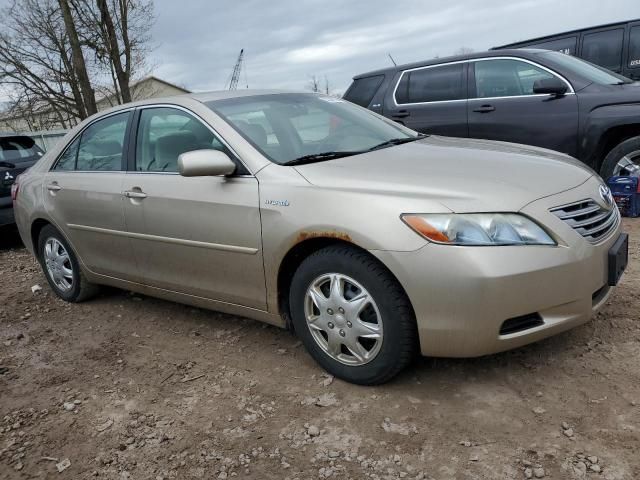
478 229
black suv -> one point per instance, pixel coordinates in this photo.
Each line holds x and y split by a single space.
535 97
17 153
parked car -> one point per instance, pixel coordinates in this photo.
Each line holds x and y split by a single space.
615 46
17 153
535 97
371 241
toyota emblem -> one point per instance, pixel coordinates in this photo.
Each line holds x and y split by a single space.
605 194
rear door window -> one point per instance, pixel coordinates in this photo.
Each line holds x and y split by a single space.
363 89
432 84
604 48
101 144
634 47
19 149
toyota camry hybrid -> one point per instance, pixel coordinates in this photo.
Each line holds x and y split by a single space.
372 242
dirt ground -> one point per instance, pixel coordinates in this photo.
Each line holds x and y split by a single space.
125 386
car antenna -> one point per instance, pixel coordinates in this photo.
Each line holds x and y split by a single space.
392 60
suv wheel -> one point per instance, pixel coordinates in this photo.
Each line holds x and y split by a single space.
623 160
352 315
61 267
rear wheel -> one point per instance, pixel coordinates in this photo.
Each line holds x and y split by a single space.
352 315
623 160
61 267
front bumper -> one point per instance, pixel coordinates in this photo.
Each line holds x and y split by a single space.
462 295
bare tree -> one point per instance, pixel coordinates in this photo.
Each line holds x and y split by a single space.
316 85
77 57
313 84
117 31
56 54
464 51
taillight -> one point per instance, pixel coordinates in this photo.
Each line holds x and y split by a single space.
14 188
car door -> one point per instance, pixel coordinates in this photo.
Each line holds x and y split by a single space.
83 196
193 235
505 108
431 99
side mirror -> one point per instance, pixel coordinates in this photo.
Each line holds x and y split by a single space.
552 86
205 163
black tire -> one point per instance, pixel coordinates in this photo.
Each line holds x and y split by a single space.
627 147
400 337
80 289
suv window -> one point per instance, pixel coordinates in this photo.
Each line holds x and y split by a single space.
562 45
165 133
506 78
432 84
634 47
363 89
101 144
19 149
604 48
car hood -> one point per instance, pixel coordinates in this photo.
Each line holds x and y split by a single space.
463 175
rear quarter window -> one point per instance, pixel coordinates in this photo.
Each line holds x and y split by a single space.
19 149
362 90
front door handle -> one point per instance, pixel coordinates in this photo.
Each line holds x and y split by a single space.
135 194
401 114
54 187
484 109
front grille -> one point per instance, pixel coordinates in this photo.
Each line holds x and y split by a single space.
588 218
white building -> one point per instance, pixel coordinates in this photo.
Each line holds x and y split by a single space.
46 119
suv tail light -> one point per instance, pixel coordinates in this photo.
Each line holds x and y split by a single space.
14 188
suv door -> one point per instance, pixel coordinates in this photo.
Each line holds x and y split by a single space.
193 235
431 99
84 196
505 108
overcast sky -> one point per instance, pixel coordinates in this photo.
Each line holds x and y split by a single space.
198 41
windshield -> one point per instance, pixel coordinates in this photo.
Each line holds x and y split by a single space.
307 127
589 71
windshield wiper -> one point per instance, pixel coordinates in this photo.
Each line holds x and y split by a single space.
7 164
397 141
318 157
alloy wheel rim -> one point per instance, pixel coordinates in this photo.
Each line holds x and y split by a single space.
629 165
343 319
58 264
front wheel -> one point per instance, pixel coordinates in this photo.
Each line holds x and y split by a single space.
352 315
623 160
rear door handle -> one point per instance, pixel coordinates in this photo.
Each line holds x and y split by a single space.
135 194
484 109
401 114
54 187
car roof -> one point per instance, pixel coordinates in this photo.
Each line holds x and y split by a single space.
519 52
202 97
